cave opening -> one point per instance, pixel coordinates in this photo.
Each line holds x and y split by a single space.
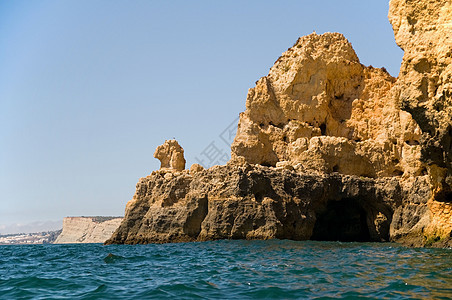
322 129
449 197
259 196
343 220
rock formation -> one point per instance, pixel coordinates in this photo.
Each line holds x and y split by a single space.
320 109
171 155
259 202
327 148
423 29
87 229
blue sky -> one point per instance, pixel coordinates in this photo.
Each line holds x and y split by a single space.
89 89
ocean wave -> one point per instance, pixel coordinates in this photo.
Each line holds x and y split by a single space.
225 269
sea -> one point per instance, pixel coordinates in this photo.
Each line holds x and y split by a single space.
227 269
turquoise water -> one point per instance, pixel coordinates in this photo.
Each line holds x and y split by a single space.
225 269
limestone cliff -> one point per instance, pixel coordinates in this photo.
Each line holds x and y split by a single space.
259 202
327 148
320 109
87 229
423 29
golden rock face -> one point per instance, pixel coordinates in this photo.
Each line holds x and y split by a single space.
321 110
423 29
171 155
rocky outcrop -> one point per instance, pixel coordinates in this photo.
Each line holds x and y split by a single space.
321 109
423 29
327 148
171 155
87 229
259 202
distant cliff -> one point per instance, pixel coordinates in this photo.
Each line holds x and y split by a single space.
87 229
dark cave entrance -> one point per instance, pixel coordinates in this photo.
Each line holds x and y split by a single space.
343 220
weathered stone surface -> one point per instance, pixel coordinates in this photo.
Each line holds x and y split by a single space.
321 108
87 229
171 155
258 202
196 168
327 148
423 29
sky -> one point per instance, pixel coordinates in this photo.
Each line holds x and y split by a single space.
89 89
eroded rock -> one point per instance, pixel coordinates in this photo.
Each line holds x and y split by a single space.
326 149
258 202
423 29
319 106
171 155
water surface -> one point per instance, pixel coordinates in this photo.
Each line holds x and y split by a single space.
225 269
